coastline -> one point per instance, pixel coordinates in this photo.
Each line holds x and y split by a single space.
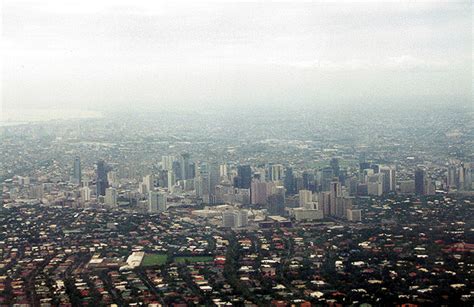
35 116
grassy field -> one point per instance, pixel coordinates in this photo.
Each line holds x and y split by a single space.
193 259
154 259
160 259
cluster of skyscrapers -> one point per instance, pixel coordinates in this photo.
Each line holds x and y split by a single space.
307 194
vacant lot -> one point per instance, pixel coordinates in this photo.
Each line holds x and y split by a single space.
154 259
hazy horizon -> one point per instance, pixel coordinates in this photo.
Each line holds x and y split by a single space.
153 55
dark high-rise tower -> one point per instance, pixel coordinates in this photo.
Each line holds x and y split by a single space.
186 170
326 177
101 183
177 170
269 172
192 169
289 181
420 177
244 179
335 166
363 166
276 204
388 178
77 173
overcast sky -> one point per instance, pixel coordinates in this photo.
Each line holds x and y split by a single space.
119 54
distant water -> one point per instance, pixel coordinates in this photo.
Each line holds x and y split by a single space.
25 116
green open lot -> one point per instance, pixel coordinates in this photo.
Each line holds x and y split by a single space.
160 259
193 259
154 259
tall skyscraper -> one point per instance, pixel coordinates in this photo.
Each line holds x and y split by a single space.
375 184
77 172
388 178
205 181
86 194
111 196
452 178
101 183
208 180
171 180
335 196
186 171
147 184
277 172
324 202
363 166
420 178
112 179
242 218
276 204
467 176
335 166
36 191
327 176
260 190
309 182
305 197
157 202
459 176
235 218
177 170
244 176
229 219
289 181
192 170
214 177
167 162
223 170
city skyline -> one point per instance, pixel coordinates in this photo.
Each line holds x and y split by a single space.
263 209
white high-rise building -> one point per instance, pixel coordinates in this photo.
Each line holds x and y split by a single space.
305 196
77 172
276 172
142 188
36 191
23 180
157 201
167 162
375 184
235 218
242 218
223 170
171 181
208 179
366 173
259 193
388 178
86 194
112 179
303 214
111 196
229 219
205 180
147 184
354 215
407 186
198 187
